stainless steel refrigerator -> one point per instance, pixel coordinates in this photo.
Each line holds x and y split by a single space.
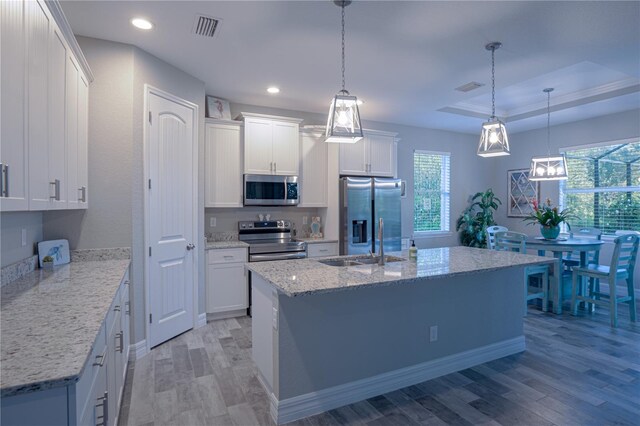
362 202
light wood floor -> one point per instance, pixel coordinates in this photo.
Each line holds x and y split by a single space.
575 371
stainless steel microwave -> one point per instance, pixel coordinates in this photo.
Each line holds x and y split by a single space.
271 190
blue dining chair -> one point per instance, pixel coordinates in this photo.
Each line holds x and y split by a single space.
573 259
491 235
516 242
621 268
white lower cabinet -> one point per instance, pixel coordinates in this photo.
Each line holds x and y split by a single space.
95 398
322 249
227 289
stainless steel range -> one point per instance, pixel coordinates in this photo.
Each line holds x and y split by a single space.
271 240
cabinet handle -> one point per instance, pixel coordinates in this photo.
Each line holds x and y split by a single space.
105 409
4 180
228 257
323 250
128 311
101 357
275 167
119 342
83 191
116 308
56 190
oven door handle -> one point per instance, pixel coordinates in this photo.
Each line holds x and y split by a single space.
278 256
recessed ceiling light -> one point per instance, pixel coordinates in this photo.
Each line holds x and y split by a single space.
273 90
141 23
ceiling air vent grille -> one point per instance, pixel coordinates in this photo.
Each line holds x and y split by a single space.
205 26
469 86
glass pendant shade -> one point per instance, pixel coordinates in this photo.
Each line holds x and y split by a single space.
548 168
343 124
494 141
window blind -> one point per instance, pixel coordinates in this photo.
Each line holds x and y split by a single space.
431 186
603 188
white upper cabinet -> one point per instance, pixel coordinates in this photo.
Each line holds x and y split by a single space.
43 122
57 126
375 155
314 168
13 151
223 164
82 190
271 144
38 31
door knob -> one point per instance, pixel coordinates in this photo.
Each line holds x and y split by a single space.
190 246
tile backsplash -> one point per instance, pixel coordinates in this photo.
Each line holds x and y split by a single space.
226 220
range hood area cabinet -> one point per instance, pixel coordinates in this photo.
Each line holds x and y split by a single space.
314 165
374 155
223 163
271 144
45 101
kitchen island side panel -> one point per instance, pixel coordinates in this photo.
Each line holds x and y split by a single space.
330 339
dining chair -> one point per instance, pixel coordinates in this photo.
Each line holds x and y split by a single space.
516 242
491 235
573 258
621 268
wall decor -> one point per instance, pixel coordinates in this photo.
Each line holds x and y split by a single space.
218 108
522 192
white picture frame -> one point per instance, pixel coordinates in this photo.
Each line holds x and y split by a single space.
521 192
218 108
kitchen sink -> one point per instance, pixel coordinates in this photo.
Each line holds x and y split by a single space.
354 261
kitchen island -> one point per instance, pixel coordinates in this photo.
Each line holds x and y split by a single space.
326 336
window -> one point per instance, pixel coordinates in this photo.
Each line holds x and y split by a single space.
431 191
603 189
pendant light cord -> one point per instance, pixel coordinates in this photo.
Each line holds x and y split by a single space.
549 123
493 83
343 85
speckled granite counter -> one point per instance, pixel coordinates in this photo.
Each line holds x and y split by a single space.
50 320
225 245
308 276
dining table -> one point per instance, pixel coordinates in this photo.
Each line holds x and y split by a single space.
558 247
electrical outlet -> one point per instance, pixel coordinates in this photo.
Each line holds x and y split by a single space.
24 237
305 220
433 333
212 222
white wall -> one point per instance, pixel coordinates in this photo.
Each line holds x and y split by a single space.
527 144
11 226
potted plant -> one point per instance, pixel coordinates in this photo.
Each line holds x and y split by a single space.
549 218
47 262
475 219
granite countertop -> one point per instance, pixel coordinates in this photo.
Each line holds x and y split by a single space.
225 244
308 276
310 240
50 320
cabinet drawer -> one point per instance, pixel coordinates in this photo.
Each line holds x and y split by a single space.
322 249
95 362
113 310
237 255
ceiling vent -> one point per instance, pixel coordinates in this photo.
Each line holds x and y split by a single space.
469 87
206 26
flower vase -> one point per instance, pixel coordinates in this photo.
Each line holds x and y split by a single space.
550 232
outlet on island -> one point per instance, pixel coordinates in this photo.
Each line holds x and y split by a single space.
433 333
212 222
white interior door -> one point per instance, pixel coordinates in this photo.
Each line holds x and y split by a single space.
171 222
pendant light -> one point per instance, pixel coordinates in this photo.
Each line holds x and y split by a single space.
549 167
493 138
343 123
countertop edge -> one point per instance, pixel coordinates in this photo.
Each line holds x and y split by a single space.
393 282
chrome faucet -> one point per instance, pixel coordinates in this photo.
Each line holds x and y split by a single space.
381 241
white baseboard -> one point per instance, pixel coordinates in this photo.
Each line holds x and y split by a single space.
202 320
138 350
301 406
226 314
